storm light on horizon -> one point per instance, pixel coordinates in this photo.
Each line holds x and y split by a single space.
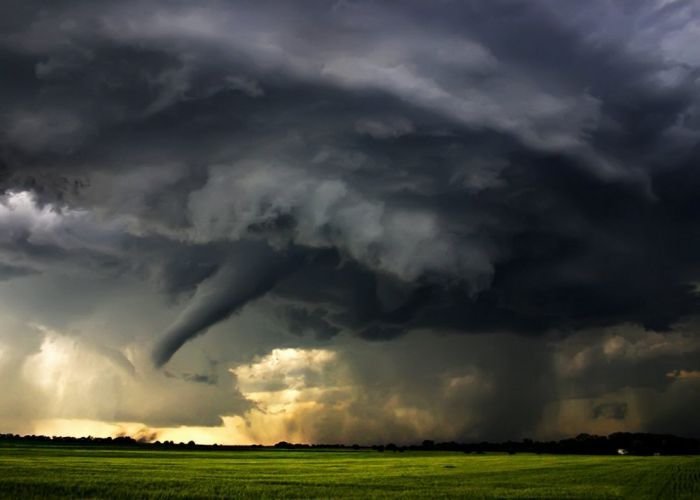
356 221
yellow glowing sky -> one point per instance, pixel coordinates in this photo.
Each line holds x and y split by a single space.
72 387
65 373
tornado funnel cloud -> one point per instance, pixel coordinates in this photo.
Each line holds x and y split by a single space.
235 284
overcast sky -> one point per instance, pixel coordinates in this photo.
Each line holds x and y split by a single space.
353 221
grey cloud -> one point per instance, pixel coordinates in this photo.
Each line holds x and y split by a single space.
424 203
616 411
365 169
254 273
34 132
380 129
8 272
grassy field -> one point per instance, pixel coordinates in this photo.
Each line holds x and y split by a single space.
53 471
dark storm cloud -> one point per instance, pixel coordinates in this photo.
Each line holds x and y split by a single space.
9 272
610 410
463 166
255 270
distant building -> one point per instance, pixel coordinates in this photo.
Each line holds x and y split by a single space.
622 451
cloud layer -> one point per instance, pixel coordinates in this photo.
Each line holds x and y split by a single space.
303 176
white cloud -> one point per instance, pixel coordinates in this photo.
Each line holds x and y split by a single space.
249 198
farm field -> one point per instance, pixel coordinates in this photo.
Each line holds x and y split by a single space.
75 472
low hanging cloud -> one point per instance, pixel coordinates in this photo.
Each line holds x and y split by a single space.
255 273
65 378
356 170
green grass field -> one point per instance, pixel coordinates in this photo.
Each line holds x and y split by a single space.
72 472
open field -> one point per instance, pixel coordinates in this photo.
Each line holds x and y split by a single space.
56 471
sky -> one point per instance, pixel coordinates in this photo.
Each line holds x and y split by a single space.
351 221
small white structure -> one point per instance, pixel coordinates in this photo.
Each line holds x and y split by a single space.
622 451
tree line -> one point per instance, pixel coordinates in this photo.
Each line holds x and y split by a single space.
583 444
